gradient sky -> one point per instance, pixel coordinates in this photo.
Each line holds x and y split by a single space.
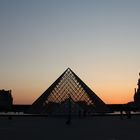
98 39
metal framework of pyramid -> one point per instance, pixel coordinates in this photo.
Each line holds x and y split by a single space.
68 89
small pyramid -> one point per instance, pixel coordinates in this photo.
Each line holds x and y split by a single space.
68 85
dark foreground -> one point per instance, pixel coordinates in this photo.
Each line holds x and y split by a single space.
89 128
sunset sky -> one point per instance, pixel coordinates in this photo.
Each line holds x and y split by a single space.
98 39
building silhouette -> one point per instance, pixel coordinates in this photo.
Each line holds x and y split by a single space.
137 94
6 100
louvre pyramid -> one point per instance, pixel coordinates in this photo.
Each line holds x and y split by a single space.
68 87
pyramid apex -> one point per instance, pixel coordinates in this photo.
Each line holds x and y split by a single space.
68 69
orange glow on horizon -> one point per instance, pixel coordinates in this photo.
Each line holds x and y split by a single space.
109 96
113 91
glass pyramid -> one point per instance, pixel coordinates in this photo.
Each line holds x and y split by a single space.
68 90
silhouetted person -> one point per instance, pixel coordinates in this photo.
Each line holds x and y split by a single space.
68 121
79 113
128 114
121 113
9 117
84 113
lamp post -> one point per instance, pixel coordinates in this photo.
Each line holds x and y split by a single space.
69 110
